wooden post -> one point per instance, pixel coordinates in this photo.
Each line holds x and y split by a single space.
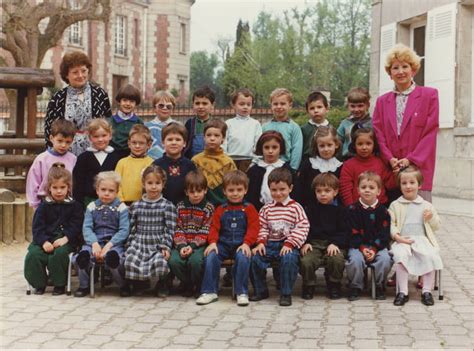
8 222
1 223
32 108
29 222
20 216
20 113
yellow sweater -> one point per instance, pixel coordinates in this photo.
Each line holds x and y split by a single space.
130 169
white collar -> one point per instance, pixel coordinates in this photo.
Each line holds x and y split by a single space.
325 123
418 200
276 164
109 149
242 117
323 165
145 198
284 203
365 206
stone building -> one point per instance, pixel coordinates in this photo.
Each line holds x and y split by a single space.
442 33
145 43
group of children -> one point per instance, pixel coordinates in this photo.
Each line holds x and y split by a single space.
178 200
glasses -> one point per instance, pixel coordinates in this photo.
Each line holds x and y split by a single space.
164 106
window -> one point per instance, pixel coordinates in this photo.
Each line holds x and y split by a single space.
75 34
418 35
136 32
182 38
120 35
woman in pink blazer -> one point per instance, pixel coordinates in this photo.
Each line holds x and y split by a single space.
406 120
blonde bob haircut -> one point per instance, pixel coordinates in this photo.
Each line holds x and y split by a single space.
402 53
107 175
99 123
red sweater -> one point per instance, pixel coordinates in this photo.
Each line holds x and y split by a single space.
352 168
253 223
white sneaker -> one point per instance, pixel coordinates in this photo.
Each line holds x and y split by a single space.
242 300
204 299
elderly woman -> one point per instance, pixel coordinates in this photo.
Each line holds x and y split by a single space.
79 102
406 119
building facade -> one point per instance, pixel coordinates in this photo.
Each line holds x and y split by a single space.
442 34
145 43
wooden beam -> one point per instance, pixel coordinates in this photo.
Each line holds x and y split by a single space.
22 143
32 109
22 77
20 113
16 160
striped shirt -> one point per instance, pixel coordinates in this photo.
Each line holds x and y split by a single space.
193 224
285 221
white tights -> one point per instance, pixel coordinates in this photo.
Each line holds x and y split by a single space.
402 279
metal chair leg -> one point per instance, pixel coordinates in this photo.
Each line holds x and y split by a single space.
372 278
69 275
440 288
28 288
91 283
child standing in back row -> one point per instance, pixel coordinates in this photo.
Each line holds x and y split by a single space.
281 101
242 131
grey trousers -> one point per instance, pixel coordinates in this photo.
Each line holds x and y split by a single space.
355 266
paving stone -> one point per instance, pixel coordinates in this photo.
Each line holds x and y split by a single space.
228 326
95 340
213 345
195 329
397 340
130 336
304 344
187 339
58 344
219 335
271 345
107 330
277 337
366 344
152 343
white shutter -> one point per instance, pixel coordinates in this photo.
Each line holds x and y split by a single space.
440 59
388 37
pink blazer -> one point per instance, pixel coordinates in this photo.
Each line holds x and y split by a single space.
417 140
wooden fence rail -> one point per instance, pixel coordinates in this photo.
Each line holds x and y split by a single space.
15 222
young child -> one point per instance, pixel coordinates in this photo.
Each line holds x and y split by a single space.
57 225
152 226
415 249
270 146
317 107
358 103
213 162
130 168
192 229
284 228
105 231
99 157
326 245
164 104
281 101
369 221
234 230
325 145
364 146
175 165
203 104
61 137
128 98
242 131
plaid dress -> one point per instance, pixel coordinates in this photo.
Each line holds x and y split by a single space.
152 226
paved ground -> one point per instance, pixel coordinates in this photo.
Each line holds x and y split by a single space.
109 321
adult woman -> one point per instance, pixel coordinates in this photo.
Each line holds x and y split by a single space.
79 102
406 120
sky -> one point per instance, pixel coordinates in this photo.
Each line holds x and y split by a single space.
212 19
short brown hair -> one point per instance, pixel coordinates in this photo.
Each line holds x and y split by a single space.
244 92
195 180
358 95
325 179
174 128
236 177
98 123
369 175
411 169
279 92
163 95
218 124
204 92
267 136
357 131
141 130
316 96
156 170
73 59
280 174
64 127
322 132
56 172
129 92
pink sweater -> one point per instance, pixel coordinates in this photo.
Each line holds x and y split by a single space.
352 168
38 174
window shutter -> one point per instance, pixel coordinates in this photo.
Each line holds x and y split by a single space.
440 59
388 36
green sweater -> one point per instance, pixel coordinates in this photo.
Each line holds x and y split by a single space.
121 129
308 130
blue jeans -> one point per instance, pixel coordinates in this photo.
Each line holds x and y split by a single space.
355 266
288 268
212 269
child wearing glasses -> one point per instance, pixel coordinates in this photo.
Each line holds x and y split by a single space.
130 168
164 104
128 98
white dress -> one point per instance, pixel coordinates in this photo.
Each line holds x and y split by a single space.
420 257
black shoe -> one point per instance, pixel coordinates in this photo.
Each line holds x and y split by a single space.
427 299
161 288
259 297
400 299
81 292
285 300
354 294
308 292
334 291
59 290
379 293
108 279
227 280
125 291
40 291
